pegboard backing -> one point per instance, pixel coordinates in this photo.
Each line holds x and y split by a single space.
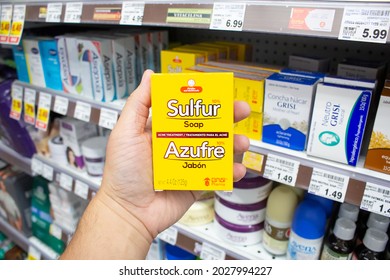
275 49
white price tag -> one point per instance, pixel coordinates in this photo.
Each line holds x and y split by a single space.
43 115
29 105
17 26
228 16
54 11
66 182
73 12
108 118
36 166
169 235
376 199
16 105
47 172
132 13
5 24
81 189
329 185
55 231
61 105
210 252
365 24
33 253
82 111
281 169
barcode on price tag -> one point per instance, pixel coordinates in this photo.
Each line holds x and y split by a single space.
228 16
61 105
73 12
29 105
108 118
16 104
66 182
329 185
169 235
376 199
82 111
43 115
54 11
210 252
132 13
281 169
365 24
81 189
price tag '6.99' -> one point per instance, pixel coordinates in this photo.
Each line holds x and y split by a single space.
228 16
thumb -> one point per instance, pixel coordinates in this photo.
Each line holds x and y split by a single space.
136 110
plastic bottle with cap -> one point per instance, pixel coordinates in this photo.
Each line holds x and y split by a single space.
374 221
373 246
281 204
307 231
340 244
349 211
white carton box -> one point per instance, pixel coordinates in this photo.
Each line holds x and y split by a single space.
338 122
34 61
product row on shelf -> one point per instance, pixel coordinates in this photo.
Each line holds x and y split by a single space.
329 19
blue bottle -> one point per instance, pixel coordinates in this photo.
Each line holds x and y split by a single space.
307 231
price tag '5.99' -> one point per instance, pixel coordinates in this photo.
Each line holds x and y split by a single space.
228 16
281 169
365 24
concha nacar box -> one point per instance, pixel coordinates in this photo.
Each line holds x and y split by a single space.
192 131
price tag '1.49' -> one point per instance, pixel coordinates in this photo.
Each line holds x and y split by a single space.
228 16
376 199
328 185
281 169
365 24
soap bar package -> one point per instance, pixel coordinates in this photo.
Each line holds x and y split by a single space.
192 131
338 122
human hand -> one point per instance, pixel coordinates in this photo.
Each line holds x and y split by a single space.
128 176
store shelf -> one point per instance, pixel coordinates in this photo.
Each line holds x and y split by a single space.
67 177
192 238
358 176
260 16
9 155
68 103
26 242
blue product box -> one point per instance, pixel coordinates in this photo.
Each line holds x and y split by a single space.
51 63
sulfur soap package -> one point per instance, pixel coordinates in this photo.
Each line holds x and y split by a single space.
192 131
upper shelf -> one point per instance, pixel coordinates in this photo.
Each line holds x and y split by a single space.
307 18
